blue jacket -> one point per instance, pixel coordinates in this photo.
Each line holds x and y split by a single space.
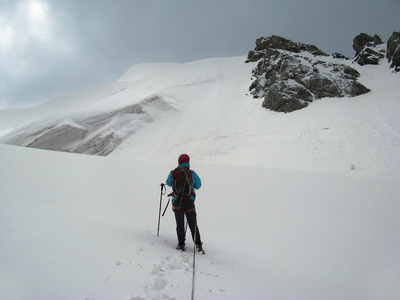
196 181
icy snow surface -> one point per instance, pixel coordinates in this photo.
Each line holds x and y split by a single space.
293 206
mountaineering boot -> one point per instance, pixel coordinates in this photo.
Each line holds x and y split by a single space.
199 248
181 247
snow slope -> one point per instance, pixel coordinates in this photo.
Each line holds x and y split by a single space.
84 227
221 124
202 107
293 206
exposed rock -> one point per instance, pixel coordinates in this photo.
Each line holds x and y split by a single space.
393 51
280 43
368 49
364 40
283 98
291 75
339 55
369 56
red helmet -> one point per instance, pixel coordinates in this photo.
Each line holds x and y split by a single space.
183 158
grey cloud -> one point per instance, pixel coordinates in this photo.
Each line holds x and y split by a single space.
98 40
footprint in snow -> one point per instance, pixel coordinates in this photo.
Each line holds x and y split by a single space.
170 266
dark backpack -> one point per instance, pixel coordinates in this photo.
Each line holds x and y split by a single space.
182 181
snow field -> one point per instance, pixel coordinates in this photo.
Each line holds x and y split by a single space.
83 227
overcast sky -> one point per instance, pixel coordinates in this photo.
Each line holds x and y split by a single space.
51 47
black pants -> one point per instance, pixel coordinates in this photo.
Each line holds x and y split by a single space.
182 208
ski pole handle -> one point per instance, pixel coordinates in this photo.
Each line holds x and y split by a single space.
163 188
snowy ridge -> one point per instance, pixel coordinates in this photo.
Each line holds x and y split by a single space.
141 71
89 133
203 108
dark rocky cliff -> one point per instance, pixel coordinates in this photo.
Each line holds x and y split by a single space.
291 75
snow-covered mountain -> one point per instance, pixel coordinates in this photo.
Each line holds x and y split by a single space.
301 205
204 108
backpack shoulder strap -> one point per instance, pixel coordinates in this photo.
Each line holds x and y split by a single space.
188 174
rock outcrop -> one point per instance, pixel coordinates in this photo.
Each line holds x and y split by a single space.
291 75
393 51
369 49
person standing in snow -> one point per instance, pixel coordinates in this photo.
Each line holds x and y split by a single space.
184 182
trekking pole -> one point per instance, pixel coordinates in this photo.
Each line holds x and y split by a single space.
165 209
163 190
194 258
169 195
